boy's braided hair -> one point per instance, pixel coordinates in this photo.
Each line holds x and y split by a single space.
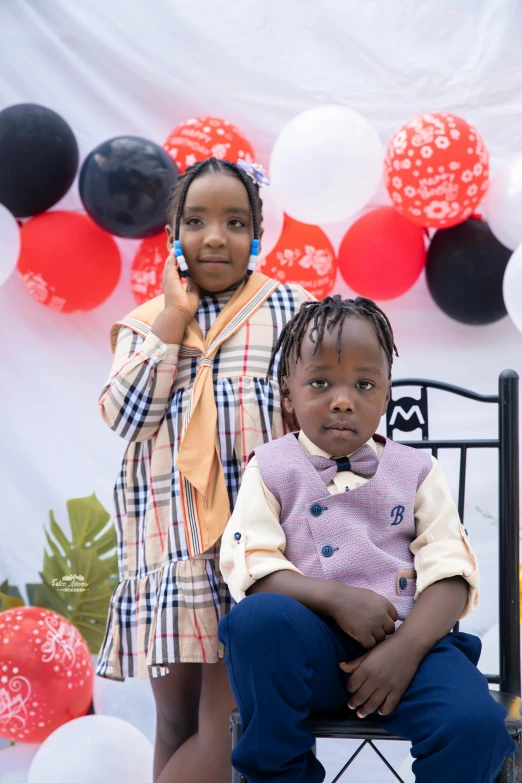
179 192
330 312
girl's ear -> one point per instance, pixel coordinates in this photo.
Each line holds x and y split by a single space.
170 237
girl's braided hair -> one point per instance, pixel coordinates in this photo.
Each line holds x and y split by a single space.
330 312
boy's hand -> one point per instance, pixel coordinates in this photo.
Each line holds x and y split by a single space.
379 678
364 615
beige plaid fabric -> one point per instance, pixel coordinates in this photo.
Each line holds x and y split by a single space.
157 617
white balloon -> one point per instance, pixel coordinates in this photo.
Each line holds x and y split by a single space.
512 288
9 244
273 218
93 749
504 204
131 700
326 165
15 762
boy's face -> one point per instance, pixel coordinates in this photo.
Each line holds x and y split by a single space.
339 404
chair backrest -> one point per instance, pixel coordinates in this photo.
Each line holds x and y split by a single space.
406 414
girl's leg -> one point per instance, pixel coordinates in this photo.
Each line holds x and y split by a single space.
205 756
177 696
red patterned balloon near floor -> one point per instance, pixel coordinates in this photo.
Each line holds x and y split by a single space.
46 673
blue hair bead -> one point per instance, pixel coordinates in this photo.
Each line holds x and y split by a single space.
182 264
254 252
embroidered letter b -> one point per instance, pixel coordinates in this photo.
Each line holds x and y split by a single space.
398 513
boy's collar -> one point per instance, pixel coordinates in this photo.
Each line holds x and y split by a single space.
315 451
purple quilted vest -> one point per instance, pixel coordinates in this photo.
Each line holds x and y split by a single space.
360 538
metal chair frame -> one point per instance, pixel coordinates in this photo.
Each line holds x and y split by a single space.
408 414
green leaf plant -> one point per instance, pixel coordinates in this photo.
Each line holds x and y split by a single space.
79 572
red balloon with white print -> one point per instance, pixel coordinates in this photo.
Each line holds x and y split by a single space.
68 263
147 268
303 255
46 673
436 170
200 138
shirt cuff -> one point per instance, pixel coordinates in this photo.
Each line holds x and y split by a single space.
158 351
444 559
245 574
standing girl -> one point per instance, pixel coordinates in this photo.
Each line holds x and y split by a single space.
187 390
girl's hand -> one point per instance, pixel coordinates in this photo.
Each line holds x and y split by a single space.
183 301
180 305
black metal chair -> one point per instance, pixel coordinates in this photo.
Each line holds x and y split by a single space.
407 414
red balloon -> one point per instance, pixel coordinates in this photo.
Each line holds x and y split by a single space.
382 254
147 268
303 255
46 673
204 137
67 262
436 170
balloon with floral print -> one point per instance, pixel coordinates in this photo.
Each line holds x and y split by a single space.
303 255
436 170
200 138
147 268
46 673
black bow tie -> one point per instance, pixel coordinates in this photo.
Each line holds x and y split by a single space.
364 462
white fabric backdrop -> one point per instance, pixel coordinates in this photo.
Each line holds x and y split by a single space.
112 68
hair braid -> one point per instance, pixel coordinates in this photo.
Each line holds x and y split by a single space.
330 312
249 185
179 194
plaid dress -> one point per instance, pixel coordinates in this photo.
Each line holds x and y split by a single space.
166 609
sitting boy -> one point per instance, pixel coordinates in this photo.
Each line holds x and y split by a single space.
356 566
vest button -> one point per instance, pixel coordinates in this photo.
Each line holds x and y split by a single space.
403 583
237 536
316 509
327 551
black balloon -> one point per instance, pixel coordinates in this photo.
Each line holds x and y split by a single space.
464 270
38 158
125 184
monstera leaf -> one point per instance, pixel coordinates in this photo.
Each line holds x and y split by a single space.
79 573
